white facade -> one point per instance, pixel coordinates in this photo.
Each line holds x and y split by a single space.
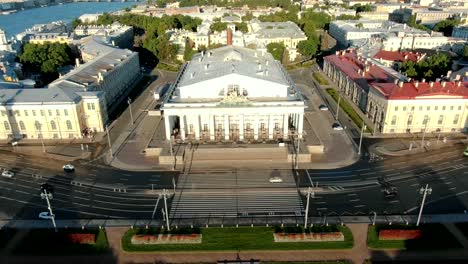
233 94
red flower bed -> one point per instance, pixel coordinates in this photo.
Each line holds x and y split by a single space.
308 237
167 239
398 234
81 238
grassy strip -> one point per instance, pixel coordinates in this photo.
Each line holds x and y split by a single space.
344 105
434 236
242 238
47 242
312 262
167 67
319 78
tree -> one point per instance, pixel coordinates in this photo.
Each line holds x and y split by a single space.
277 50
105 19
359 25
188 52
308 47
218 26
242 27
430 68
46 58
75 23
465 52
248 16
446 26
348 17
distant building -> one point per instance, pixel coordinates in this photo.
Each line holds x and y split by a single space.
89 18
234 94
116 33
460 32
56 27
395 105
42 38
394 59
74 105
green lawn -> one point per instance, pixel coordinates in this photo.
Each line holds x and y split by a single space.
434 236
320 79
167 67
47 242
344 105
242 238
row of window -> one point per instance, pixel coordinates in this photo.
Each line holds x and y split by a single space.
38 125
426 119
33 112
428 108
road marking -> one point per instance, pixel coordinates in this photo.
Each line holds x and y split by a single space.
355 200
387 170
414 184
453 188
394 201
363 169
393 174
359 206
92 174
436 200
448 183
320 202
352 194
123 179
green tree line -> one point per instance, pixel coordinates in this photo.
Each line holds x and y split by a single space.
429 68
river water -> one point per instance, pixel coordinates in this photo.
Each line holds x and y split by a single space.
17 22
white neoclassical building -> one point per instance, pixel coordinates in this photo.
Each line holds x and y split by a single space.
233 94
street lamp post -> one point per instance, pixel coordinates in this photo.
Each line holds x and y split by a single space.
338 107
129 101
424 191
374 218
306 216
360 139
48 195
167 213
108 139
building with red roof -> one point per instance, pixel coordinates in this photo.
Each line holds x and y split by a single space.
394 59
394 103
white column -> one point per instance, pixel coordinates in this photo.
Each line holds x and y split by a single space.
270 127
285 125
241 127
167 126
212 127
182 127
197 126
226 127
301 124
255 127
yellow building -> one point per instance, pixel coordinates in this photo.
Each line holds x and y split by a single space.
42 38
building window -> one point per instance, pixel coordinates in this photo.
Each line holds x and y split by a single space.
394 120
91 106
441 120
410 120
42 113
53 125
55 135
412 108
71 135
57 112
459 107
17 113
40 135
50 112
443 108
65 112
428 108
34 112
404 108
436 108
205 127
37 125
451 108
21 124
25 112
69 125
3 113
396 108
7 125
425 120
420 108
455 120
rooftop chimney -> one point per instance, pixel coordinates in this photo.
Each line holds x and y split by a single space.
449 73
443 83
229 37
395 81
207 66
77 62
459 83
457 77
423 80
431 84
416 84
400 84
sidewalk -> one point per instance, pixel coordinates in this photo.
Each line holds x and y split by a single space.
401 147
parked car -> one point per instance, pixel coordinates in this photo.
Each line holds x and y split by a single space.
390 192
68 167
337 126
8 174
45 215
276 179
323 107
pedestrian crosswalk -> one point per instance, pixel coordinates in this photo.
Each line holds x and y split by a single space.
235 194
335 188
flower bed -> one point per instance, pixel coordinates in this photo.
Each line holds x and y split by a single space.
308 237
399 234
166 239
81 238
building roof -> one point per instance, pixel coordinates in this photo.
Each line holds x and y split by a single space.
230 59
398 56
359 69
278 30
422 90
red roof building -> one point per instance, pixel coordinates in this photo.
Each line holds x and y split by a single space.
398 56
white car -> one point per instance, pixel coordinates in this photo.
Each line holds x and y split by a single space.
337 126
323 108
45 215
68 167
8 174
275 179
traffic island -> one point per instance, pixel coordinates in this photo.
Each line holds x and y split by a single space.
242 238
411 237
65 242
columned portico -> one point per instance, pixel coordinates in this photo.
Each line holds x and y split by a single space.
285 125
226 127
241 127
167 126
182 127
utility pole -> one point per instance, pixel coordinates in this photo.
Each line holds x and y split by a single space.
424 134
375 216
156 206
306 216
424 191
109 140
167 213
46 196
360 139
338 107
129 101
